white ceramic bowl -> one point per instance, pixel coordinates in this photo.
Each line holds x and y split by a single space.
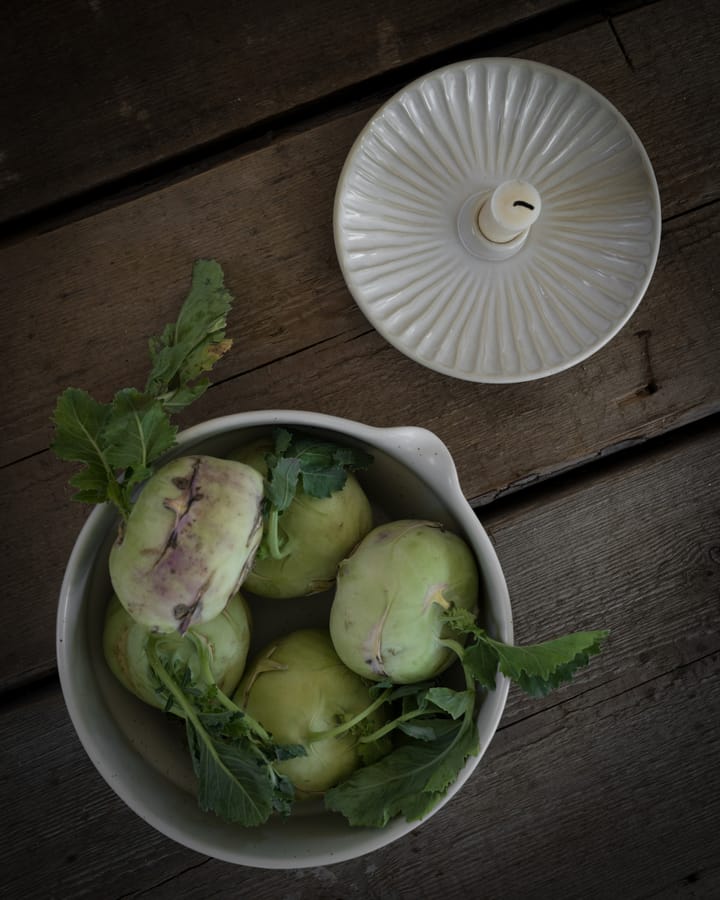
140 754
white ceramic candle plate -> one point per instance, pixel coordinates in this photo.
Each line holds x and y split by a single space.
407 203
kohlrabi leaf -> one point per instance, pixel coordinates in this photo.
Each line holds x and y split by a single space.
379 687
352 458
322 466
407 782
455 703
537 668
196 341
118 442
137 433
289 751
232 755
298 462
231 783
185 395
282 482
410 780
481 660
426 729
540 668
80 423
416 806
322 482
283 438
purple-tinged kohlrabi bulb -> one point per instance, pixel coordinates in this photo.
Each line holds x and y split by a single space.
188 543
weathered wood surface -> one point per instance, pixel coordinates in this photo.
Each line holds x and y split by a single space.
130 151
100 287
606 789
114 86
78 304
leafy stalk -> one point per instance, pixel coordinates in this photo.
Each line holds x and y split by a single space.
440 722
232 755
118 442
352 723
537 668
301 463
401 722
408 782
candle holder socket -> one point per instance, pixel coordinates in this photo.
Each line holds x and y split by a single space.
472 237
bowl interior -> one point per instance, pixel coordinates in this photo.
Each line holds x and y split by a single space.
142 753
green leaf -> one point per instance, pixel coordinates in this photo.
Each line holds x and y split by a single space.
316 456
416 806
313 455
282 484
283 439
481 660
232 755
231 782
318 467
427 729
137 433
379 687
323 466
463 620
352 458
134 431
537 669
289 751
416 690
79 421
79 425
195 342
456 703
540 668
177 400
449 765
408 782
322 482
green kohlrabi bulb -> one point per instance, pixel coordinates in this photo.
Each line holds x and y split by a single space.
297 688
316 534
387 618
227 638
188 543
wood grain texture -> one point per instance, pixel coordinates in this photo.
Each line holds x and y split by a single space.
110 87
607 789
268 217
635 549
684 95
301 342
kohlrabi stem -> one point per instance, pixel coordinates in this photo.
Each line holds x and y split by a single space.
118 497
272 534
176 692
171 686
252 723
351 723
459 651
203 656
391 726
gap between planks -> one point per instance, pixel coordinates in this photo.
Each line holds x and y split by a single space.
538 487
508 40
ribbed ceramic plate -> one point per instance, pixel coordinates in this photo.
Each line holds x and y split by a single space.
452 136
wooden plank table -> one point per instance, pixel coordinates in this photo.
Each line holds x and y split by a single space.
139 137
